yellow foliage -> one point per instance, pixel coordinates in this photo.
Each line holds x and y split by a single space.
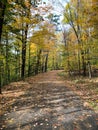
33 47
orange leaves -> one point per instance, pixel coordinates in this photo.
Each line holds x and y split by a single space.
27 3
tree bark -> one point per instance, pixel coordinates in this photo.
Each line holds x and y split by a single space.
29 63
83 64
46 63
38 62
0 80
7 61
2 13
89 70
24 41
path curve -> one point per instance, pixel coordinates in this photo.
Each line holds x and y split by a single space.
48 104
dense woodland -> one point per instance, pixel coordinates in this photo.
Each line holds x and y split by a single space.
32 43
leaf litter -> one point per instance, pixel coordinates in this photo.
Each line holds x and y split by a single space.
36 102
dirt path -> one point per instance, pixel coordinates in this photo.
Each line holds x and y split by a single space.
45 103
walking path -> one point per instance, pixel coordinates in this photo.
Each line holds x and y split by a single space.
48 104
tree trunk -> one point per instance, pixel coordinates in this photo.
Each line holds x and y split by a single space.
46 63
24 41
53 64
0 79
43 64
2 13
83 64
29 67
7 61
38 62
89 70
23 59
79 67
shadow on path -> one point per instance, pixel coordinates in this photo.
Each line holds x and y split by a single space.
49 105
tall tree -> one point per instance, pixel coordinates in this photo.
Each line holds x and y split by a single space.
3 4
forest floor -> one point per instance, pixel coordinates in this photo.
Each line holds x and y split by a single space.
49 101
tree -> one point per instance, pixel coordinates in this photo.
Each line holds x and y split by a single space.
3 4
43 38
74 17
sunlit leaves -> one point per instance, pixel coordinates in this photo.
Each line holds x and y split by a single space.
82 18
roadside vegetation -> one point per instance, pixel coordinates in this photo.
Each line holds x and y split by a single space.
86 88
